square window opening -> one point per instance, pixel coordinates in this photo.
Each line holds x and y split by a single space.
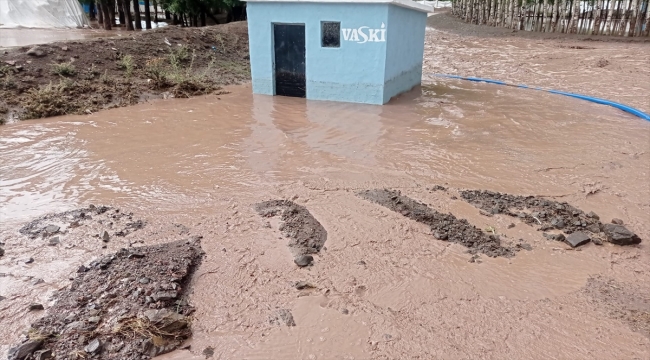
331 34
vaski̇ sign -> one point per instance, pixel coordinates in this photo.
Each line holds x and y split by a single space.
365 34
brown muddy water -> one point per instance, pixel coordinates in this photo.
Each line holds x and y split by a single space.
384 288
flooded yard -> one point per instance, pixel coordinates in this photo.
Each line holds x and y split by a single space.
382 286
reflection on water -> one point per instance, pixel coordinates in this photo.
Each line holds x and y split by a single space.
176 151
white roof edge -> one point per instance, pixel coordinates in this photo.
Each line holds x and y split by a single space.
409 4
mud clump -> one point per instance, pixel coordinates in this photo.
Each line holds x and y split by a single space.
444 226
111 312
307 234
119 223
550 215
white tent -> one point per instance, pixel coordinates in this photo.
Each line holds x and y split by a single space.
42 14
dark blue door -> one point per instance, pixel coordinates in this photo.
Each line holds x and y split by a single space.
290 79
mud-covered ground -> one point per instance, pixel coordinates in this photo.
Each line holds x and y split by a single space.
612 68
84 76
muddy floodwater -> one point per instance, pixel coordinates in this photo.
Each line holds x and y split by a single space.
381 286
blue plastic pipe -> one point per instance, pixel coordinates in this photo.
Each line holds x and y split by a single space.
628 109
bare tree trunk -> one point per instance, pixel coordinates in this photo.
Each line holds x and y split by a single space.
106 15
635 11
608 21
147 14
127 12
100 13
556 5
512 14
120 11
597 9
136 11
646 30
112 12
623 23
573 23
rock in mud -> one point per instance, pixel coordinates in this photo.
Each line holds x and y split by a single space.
444 226
577 238
617 221
43 354
36 51
593 215
620 235
52 229
282 317
25 349
93 347
104 236
597 241
307 235
303 260
53 241
300 285
36 307
113 322
2 251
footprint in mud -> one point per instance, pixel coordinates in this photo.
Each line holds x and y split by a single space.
307 234
444 226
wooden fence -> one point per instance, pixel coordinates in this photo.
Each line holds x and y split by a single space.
592 17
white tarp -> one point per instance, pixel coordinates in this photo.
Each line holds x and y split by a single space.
42 14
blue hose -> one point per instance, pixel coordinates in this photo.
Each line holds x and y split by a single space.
620 106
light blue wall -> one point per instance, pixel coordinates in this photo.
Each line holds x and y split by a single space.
405 41
355 72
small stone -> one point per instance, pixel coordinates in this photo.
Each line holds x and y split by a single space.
52 229
303 260
2 252
93 346
94 319
511 225
82 269
36 51
361 262
345 311
64 48
208 352
104 236
37 281
617 221
620 235
283 317
577 238
300 285
558 223
54 241
25 349
592 215
526 247
43 354
594 228
597 241
29 261
164 296
36 307
144 280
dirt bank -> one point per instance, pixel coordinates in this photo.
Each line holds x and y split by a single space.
613 68
131 304
77 77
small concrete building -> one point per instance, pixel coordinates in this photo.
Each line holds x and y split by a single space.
363 51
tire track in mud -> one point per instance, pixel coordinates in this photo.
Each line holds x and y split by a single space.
446 227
